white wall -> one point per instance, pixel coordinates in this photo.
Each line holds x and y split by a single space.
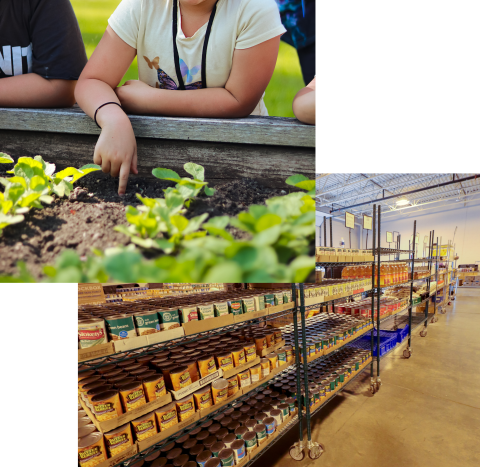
443 221
338 231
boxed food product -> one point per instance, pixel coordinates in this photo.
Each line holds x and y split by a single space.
248 305
169 319
269 300
118 440
206 311
146 322
235 307
166 416
145 426
221 308
188 313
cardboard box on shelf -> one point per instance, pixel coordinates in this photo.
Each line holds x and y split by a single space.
273 348
96 351
194 327
251 315
109 425
229 373
278 308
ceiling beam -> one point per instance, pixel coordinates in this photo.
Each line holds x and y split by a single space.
350 184
389 187
472 177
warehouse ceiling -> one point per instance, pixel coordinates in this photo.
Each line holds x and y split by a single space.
356 193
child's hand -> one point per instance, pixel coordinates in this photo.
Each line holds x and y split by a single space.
134 96
116 149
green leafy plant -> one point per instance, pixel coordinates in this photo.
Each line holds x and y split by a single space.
33 182
278 247
185 186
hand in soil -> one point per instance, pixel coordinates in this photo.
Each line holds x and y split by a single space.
116 148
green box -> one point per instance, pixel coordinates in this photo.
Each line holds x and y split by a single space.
269 300
169 319
235 307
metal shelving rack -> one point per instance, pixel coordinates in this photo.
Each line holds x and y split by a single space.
315 450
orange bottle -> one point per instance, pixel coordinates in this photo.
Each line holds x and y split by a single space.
395 273
382 275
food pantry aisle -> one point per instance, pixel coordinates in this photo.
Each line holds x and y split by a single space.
426 413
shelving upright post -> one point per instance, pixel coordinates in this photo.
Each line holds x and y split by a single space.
372 380
378 292
408 351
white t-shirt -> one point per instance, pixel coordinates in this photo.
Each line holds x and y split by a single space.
146 25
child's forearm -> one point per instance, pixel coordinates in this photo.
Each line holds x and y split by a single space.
211 102
304 106
91 94
33 91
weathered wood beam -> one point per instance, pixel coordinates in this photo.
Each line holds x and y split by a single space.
270 131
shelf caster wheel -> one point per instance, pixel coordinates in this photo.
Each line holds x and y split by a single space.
423 333
407 353
373 388
297 453
378 385
395 327
316 451
449 303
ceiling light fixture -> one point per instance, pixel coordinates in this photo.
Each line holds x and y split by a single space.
402 202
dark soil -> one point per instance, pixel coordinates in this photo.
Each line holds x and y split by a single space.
86 220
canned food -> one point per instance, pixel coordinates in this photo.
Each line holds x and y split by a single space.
145 426
91 450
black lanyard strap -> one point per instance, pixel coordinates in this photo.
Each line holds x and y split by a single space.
181 84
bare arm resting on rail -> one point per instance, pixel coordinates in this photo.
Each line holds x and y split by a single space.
31 90
304 104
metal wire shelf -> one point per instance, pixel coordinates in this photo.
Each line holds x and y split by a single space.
151 449
154 348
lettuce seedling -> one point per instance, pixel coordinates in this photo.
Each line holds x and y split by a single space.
32 183
186 187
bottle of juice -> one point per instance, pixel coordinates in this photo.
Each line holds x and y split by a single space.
394 273
382 275
390 274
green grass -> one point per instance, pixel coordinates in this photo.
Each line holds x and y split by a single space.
286 81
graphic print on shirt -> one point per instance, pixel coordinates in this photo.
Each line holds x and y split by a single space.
165 82
15 61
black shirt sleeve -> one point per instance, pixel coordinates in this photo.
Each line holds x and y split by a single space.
58 50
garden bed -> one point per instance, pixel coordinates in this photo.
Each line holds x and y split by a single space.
88 222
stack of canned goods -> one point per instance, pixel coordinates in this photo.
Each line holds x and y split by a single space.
324 331
116 321
118 386
363 308
326 376
229 436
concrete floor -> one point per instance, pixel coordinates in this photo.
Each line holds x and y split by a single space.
427 412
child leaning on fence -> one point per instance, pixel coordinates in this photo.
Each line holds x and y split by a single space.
220 54
41 53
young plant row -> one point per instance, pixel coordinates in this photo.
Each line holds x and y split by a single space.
197 250
33 182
